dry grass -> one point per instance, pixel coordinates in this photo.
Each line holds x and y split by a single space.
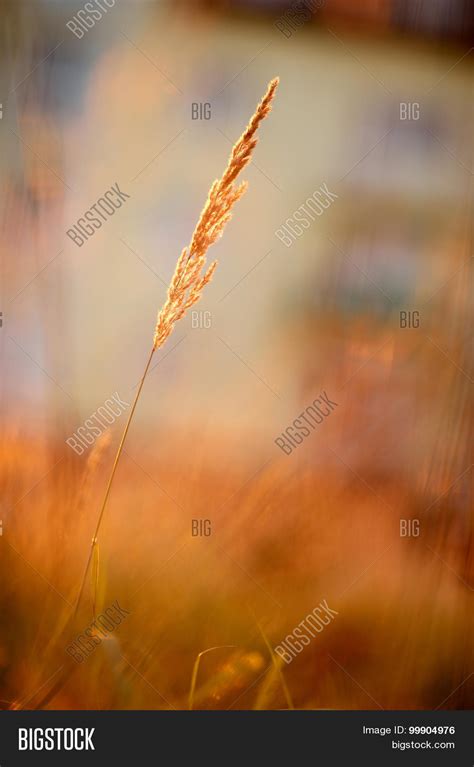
284 541
188 283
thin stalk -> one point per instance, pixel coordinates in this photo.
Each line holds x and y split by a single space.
196 669
109 484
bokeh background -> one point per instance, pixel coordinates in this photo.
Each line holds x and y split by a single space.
283 324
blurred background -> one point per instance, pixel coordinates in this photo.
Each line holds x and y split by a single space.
372 302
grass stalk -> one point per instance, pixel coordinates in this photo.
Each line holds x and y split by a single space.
188 281
109 484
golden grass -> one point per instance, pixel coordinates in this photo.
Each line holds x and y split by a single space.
188 281
296 534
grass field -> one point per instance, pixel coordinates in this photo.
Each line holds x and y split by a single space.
281 542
